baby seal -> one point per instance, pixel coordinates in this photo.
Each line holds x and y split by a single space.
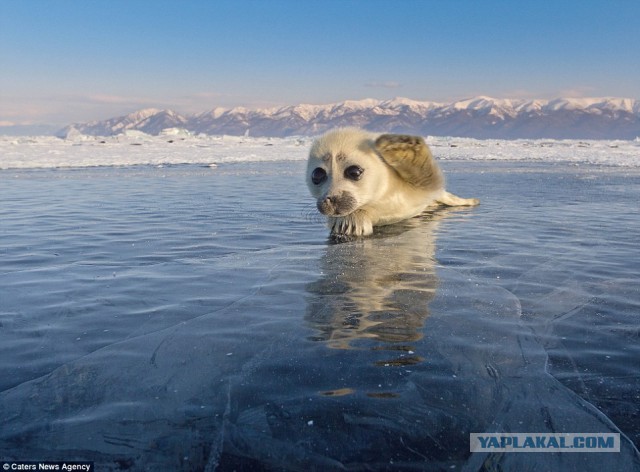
362 180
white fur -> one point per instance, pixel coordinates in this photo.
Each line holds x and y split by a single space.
380 196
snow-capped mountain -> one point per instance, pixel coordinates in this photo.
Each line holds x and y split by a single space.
150 120
479 117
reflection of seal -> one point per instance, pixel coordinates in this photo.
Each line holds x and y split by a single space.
362 180
378 290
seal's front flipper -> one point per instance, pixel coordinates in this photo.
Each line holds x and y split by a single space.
344 228
450 199
412 160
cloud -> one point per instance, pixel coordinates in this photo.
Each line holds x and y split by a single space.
523 94
388 85
582 91
577 92
104 99
203 96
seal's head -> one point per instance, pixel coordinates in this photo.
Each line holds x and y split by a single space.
345 172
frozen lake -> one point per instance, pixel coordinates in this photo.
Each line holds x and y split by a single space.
185 317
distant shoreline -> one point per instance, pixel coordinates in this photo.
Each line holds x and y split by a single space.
180 147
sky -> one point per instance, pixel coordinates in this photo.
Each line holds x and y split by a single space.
65 61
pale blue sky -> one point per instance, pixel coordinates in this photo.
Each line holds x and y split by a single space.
76 60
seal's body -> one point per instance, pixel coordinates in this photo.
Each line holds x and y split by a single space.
362 180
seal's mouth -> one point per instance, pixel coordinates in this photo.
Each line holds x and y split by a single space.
337 205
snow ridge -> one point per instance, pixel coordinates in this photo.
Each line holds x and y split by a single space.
478 117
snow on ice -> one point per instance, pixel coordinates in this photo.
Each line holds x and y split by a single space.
178 146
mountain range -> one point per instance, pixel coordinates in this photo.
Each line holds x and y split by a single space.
479 117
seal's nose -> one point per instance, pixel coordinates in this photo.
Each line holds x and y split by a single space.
339 204
326 206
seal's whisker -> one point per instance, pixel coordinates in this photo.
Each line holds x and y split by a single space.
311 214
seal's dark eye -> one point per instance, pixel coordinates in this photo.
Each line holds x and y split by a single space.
353 172
318 175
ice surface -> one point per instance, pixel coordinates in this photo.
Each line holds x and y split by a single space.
176 146
183 318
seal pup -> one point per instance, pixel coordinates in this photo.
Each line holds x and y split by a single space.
362 180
